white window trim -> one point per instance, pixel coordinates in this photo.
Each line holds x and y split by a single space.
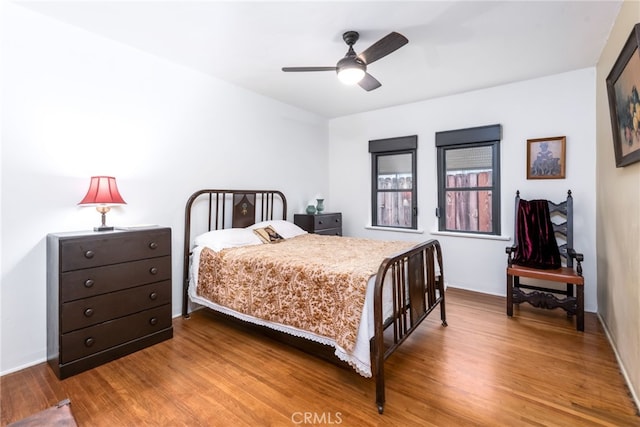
395 229
470 235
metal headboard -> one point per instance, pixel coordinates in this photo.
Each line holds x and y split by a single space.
225 209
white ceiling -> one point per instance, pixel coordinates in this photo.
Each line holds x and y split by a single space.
454 46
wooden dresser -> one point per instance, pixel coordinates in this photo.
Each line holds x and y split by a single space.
108 295
323 223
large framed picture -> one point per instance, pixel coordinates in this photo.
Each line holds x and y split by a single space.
546 158
623 83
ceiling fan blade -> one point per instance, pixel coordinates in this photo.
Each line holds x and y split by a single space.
383 47
369 82
295 69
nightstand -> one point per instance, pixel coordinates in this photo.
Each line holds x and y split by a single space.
108 295
323 223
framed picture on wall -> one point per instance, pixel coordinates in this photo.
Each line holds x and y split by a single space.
546 158
623 83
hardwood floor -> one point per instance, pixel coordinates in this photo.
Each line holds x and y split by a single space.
484 369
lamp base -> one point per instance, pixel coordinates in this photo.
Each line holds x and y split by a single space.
103 228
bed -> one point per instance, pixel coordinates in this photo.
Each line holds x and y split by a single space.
360 297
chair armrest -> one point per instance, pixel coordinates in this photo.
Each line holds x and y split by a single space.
510 250
575 255
578 257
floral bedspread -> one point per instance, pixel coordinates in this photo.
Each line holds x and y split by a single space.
311 282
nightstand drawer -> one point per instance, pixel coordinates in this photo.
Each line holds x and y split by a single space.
113 247
327 221
323 223
90 311
94 339
330 232
100 280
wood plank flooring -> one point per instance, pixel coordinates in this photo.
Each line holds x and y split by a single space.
484 369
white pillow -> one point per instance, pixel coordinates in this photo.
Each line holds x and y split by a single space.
227 238
284 228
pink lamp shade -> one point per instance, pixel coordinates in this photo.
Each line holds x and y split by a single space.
103 193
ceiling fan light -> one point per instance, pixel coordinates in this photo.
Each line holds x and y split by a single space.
350 76
350 69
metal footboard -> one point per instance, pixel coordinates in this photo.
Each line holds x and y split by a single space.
417 288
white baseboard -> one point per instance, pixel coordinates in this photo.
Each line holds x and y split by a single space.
632 392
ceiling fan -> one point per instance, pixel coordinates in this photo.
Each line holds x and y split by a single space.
353 68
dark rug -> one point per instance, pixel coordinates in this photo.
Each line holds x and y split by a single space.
56 416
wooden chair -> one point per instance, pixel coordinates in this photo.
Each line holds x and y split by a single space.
540 295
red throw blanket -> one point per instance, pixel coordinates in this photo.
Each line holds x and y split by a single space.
536 240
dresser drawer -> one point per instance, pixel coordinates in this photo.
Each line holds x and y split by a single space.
112 248
90 311
84 342
101 280
108 295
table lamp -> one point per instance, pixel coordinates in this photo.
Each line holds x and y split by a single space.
103 193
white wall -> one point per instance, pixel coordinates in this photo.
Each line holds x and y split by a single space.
553 106
618 225
75 105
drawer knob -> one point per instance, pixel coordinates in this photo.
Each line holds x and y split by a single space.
153 321
153 270
89 342
320 222
153 296
153 245
88 312
89 283
89 254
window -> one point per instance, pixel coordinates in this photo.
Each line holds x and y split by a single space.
393 182
469 180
